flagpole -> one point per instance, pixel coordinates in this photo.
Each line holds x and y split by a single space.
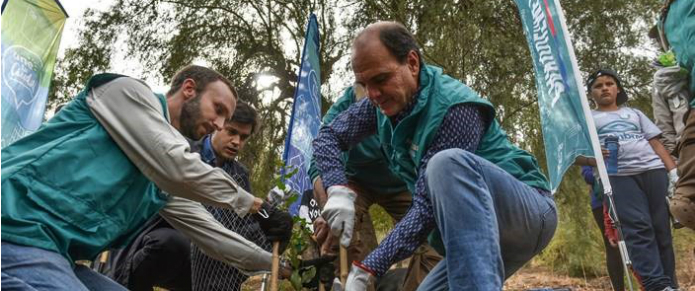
598 154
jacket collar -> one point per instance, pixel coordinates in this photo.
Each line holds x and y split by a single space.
208 153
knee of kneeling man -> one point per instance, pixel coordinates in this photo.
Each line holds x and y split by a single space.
445 161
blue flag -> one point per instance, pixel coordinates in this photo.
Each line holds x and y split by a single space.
306 114
31 31
561 97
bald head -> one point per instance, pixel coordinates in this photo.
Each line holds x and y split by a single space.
375 28
392 35
386 62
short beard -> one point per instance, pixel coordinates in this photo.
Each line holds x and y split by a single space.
190 115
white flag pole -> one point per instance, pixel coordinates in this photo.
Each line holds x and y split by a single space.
596 145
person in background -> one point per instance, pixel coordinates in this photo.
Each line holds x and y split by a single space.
614 262
645 174
221 149
678 25
161 256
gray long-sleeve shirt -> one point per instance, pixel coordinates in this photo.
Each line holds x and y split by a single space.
135 120
670 98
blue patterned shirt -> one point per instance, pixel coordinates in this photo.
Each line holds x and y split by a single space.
462 127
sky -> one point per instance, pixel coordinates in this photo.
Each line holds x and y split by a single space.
120 63
75 9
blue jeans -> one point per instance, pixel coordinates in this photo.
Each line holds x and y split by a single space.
30 268
491 223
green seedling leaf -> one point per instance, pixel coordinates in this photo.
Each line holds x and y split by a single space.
296 280
279 163
294 171
294 260
280 185
309 274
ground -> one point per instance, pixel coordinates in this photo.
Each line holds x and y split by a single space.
536 277
533 277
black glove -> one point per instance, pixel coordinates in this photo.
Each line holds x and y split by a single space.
276 224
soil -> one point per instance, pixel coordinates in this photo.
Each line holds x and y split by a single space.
533 277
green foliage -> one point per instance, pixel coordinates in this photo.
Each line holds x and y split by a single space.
667 59
301 238
286 172
301 235
92 55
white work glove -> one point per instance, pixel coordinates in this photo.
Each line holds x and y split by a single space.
339 212
358 279
337 286
672 180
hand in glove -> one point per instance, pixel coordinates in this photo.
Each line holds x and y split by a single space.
276 224
672 180
359 277
339 212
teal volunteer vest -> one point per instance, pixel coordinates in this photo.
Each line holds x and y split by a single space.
679 28
407 142
69 188
365 163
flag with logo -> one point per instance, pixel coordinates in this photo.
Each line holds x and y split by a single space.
306 115
31 31
568 129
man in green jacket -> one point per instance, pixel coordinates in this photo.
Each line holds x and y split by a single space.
112 158
486 199
369 175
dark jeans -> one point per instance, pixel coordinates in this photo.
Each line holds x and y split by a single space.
640 201
162 260
614 262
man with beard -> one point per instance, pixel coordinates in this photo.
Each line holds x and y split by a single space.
112 158
161 256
